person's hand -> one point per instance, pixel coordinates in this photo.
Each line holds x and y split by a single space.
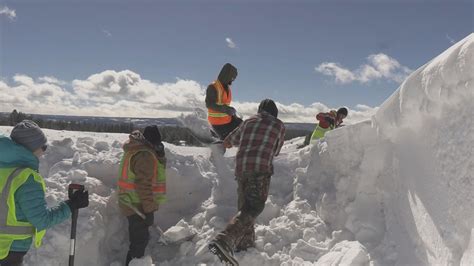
149 218
231 111
330 120
160 149
227 144
79 199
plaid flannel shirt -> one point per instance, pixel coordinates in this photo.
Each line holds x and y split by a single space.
259 139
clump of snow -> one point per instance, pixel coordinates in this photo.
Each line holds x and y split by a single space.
390 191
145 261
182 230
346 253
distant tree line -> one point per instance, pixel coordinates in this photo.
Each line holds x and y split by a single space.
170 134
119 127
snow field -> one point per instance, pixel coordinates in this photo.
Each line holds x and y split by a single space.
395 190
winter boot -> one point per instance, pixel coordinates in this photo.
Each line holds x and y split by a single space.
223 252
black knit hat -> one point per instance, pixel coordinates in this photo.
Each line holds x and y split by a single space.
268 106
342 111
152 134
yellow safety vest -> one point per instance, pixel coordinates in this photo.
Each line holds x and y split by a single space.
10 228
126 183
319 132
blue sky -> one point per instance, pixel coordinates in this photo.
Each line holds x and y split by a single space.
278 44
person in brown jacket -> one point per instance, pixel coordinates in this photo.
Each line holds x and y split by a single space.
142 186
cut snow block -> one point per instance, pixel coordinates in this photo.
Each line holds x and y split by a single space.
346 253
180 231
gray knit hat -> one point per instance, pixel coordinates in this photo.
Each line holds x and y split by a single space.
28 134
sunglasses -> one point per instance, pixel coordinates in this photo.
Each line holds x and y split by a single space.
44 148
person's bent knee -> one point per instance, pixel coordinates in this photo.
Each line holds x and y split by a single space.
255 209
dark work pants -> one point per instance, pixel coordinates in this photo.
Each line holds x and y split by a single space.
253 192
223 130
13 259
138 235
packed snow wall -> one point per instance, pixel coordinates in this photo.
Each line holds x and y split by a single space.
403 183
395 190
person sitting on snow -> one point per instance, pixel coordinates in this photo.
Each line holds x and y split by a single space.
259 139
142 186
221 115
328 121
24 215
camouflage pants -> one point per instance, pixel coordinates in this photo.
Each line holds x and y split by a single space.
252 195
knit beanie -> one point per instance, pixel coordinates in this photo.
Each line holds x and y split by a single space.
28 134
152 134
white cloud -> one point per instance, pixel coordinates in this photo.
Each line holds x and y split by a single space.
125 93
380 66
230 43
107 33
9 13
299 113
342 75
53 80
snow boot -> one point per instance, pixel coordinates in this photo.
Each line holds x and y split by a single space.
223 252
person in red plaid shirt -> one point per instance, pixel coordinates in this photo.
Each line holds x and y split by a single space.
259 139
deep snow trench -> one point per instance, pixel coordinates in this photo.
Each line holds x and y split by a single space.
395 190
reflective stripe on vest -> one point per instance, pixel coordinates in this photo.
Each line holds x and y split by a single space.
10 228
126 183
158 188
223 98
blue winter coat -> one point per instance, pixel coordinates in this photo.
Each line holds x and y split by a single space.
29 198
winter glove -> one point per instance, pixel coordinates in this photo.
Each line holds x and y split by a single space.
330 120
78 200
160 149
149 218
227 144
231 111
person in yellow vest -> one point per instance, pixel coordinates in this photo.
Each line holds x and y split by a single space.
24 215
142 186
328 121
221 115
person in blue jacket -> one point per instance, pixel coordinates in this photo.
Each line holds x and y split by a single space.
24 215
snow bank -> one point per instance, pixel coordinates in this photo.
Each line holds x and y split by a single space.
395 190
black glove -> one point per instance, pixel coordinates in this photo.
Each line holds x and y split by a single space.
149 218
231 111
330 120
78 200
160 149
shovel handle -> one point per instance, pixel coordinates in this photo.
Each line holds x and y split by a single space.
75 213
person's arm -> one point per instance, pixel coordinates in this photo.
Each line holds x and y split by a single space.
281 139
325 120
233 139
211 101
142 166
31 201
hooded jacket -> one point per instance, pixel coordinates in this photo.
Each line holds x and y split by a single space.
30 200
142 165
226 76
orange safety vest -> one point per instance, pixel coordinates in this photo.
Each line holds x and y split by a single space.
217 118
126 183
